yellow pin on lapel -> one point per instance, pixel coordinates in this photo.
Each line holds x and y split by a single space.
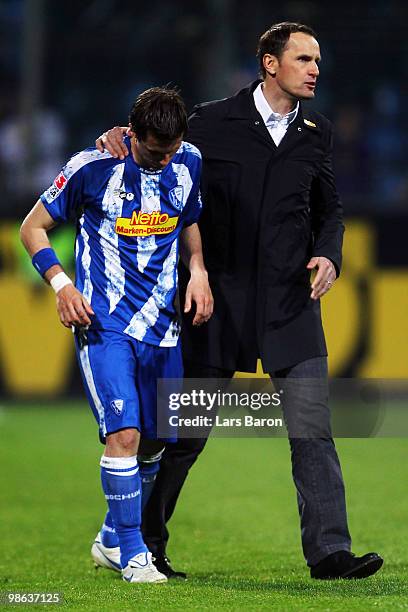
309 123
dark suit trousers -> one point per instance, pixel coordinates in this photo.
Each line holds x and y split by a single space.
315 468
174 466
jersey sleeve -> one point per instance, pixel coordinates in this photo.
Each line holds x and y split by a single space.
192 210
64 196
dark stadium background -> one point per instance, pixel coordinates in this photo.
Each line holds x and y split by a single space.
70 70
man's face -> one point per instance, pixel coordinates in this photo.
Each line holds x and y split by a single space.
297 70
151 153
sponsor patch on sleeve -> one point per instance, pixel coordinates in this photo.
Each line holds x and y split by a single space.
56 188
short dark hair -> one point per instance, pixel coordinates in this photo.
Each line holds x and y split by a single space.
275 39
160 111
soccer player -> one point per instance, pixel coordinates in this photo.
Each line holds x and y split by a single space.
131 216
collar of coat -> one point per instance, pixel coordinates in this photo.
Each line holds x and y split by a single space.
242 106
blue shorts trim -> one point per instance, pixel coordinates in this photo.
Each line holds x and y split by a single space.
120 378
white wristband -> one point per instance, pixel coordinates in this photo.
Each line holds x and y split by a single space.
59 281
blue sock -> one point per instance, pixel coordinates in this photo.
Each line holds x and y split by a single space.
109 536
121 485
149 465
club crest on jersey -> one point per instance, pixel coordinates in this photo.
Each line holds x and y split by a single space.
146 224
176 196
117 406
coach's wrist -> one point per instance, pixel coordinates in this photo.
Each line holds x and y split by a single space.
197 269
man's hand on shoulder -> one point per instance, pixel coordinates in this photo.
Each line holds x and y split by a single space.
325 276
198 291
112 141
73 308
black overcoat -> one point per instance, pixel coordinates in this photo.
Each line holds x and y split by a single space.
266 211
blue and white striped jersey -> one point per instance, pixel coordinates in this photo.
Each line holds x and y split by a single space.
129 222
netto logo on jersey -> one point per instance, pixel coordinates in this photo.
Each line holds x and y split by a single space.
146 224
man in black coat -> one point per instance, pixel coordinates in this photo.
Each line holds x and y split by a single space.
271 215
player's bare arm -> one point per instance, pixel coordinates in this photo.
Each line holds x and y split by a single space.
198 288
72 307
112 141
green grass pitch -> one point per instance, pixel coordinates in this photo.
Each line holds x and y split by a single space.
235 530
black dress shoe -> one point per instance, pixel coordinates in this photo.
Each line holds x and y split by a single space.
344 564
163 565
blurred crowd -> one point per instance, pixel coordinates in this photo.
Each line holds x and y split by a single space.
97 55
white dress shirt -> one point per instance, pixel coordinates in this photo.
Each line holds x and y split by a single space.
275 123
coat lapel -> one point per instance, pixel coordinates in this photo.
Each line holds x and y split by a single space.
293 133
298 130
243 108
